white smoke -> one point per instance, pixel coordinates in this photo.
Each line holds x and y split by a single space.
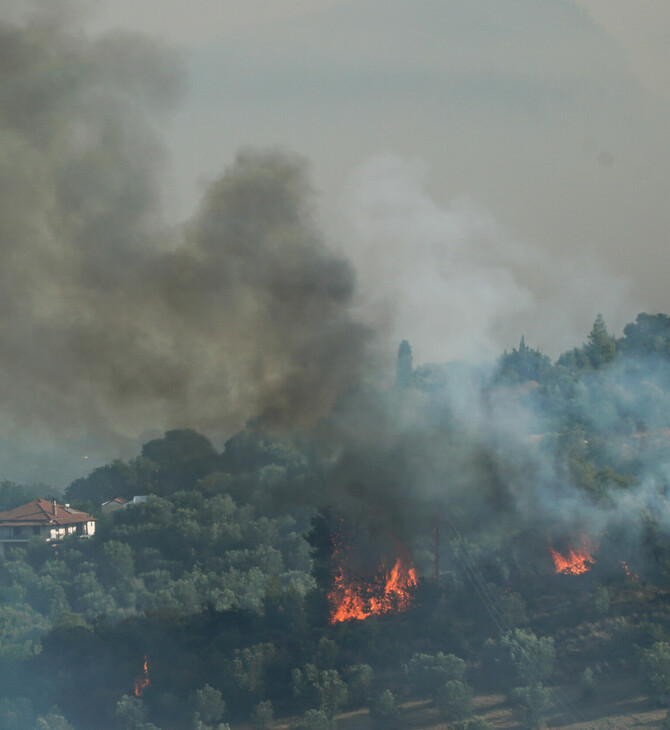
455 282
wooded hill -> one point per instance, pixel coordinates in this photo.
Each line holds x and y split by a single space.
209 602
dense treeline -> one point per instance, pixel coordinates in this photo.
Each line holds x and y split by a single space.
210 596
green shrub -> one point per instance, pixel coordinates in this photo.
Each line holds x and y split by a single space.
262 715
314 720
601 601
474 723
587 684
532 704
655 663
359 682
384 712
426 673
454 700
520 658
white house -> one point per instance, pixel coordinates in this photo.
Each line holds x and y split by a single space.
44 519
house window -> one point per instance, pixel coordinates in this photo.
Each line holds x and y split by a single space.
36 529
16 531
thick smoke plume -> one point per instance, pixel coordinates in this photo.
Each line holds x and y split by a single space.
109 325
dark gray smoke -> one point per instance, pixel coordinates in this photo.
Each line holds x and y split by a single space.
109 325
79 173
256 282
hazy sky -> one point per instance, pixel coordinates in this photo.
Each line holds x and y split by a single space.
490 169
549 117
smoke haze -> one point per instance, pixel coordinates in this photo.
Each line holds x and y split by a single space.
456 280
112 325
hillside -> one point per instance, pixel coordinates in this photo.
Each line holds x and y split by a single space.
470 547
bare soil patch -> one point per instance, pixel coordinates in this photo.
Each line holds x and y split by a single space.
618 704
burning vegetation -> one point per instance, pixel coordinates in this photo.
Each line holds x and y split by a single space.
576 559
248 316
143 681
357 589
630 574
385 592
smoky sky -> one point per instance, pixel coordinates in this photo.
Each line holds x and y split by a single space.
531 110
111 324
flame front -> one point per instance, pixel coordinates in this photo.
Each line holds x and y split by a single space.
387 592
141 683
577 560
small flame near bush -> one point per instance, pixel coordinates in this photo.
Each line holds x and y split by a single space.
141 683
629 573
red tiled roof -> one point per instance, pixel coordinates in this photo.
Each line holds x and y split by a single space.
41 512
118 500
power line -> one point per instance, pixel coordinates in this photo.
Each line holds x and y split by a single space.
504 624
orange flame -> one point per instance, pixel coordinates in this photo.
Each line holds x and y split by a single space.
577 561
387 592
629 574
141 683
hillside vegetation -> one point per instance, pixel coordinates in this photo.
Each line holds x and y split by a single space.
211 602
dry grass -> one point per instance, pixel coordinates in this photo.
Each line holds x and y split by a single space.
619 704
